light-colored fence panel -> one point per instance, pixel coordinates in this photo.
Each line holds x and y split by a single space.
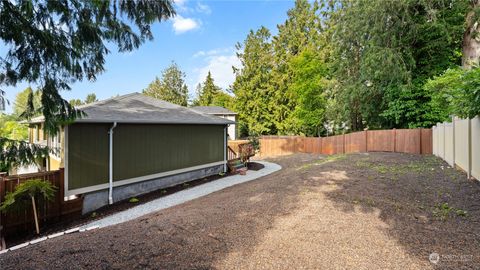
462 155
441 140
475 151
458 143
449 146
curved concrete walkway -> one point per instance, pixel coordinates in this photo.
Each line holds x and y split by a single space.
183 196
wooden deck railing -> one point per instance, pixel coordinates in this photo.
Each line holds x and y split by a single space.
231 154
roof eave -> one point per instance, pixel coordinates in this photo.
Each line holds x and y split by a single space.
153 122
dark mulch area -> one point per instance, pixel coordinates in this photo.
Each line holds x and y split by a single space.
359 211
255 166
12 240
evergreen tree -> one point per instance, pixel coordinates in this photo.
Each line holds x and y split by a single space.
91 98
171 87
20 105
384 53
253 84
207 92
55 43
76 102
302 29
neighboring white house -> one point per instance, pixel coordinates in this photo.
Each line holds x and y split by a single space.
223 113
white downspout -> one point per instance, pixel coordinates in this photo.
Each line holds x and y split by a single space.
110 164
225 149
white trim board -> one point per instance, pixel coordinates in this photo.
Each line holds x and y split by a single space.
65 160
136 179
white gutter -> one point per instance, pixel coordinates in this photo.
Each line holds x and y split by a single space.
225 149
110 165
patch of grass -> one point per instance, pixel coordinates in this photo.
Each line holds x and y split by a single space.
368 201
394 168
133 200
325 160
93 215
461 213
443 211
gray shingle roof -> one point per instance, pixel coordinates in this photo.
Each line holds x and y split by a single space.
213 110
138 108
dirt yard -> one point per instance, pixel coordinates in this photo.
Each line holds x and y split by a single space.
358 211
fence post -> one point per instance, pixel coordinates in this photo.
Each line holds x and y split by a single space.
420 141
366 140
394 140
453 139
61 183
344 146
2 191
469 147
443 125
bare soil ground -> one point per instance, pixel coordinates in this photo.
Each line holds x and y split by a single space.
358 211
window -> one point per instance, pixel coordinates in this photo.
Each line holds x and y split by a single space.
36 134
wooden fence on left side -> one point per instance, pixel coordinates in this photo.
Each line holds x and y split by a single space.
21 220
415 141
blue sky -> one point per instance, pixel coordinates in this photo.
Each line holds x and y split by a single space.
201 38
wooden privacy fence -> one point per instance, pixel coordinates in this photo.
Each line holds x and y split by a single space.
458 143
21 221
415 141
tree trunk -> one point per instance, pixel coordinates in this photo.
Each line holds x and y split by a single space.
471 38
35 214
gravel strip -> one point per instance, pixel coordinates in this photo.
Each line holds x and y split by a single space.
183 196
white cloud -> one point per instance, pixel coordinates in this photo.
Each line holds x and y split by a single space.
182 25
203 8
181 4
221 68
213 52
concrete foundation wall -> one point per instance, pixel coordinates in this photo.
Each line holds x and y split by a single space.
97 199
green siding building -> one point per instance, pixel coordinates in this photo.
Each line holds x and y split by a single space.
133 144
